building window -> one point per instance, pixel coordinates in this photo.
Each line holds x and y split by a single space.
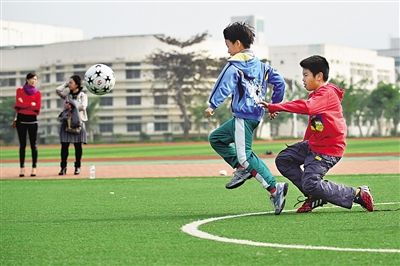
48 104
133 100
46 78
131 64
106 101
133 90
132 73
133 117
60 103
158 73
105 124
5 82
134 127
106 128
8 73
60 77
161 99
79 66
160 126
8 82
105 118
80 74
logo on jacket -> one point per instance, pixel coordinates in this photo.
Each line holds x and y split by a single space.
316 123
253 90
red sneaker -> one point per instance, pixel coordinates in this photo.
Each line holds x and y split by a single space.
364 198
309 204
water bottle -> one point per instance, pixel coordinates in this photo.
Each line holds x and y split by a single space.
92 172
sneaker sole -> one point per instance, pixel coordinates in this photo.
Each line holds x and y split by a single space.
235 185
368 200
238 184
285 190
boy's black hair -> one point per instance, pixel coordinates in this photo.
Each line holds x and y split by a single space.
316 64
240 31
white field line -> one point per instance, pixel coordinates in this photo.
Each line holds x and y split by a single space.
193 230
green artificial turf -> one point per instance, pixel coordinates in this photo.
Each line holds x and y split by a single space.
378 145
138 221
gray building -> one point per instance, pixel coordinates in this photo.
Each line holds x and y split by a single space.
133 110
393 51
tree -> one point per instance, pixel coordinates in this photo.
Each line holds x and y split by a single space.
7 113
93 119
384 104
184 73
353 104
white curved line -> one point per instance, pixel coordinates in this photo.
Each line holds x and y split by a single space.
193 230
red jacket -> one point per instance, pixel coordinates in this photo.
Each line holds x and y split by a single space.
326 130
27 104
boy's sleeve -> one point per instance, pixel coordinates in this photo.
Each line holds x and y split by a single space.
224 86
316 104
278 83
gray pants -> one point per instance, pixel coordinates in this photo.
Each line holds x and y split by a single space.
310 180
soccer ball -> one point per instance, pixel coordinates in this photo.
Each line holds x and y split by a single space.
99 79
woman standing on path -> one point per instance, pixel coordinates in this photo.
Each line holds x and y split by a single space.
72 118
27 106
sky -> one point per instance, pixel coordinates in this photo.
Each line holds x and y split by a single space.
355 23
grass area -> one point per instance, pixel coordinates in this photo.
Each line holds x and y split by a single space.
198 149
138 221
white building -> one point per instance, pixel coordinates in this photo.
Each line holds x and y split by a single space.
15 33
393 51
131 110
352 64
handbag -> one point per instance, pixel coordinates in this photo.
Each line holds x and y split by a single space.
70 129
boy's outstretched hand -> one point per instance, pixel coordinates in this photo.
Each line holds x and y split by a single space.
265 105
208 112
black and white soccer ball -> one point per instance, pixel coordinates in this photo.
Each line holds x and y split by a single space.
99 79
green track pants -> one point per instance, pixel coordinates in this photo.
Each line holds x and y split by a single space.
233 142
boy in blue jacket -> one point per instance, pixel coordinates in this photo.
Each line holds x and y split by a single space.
245 78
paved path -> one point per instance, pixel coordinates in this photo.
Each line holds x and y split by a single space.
190 168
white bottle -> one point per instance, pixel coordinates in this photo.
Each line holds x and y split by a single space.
92 172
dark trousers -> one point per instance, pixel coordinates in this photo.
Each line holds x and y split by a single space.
310 180
65 152
30 130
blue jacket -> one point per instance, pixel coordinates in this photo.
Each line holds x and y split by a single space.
246 78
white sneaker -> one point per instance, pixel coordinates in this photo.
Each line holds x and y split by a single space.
239 177
279 200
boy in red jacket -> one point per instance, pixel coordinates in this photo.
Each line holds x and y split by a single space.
323 145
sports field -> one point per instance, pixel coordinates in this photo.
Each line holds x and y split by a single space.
138 222
150 221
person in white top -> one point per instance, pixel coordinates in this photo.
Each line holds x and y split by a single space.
74 98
